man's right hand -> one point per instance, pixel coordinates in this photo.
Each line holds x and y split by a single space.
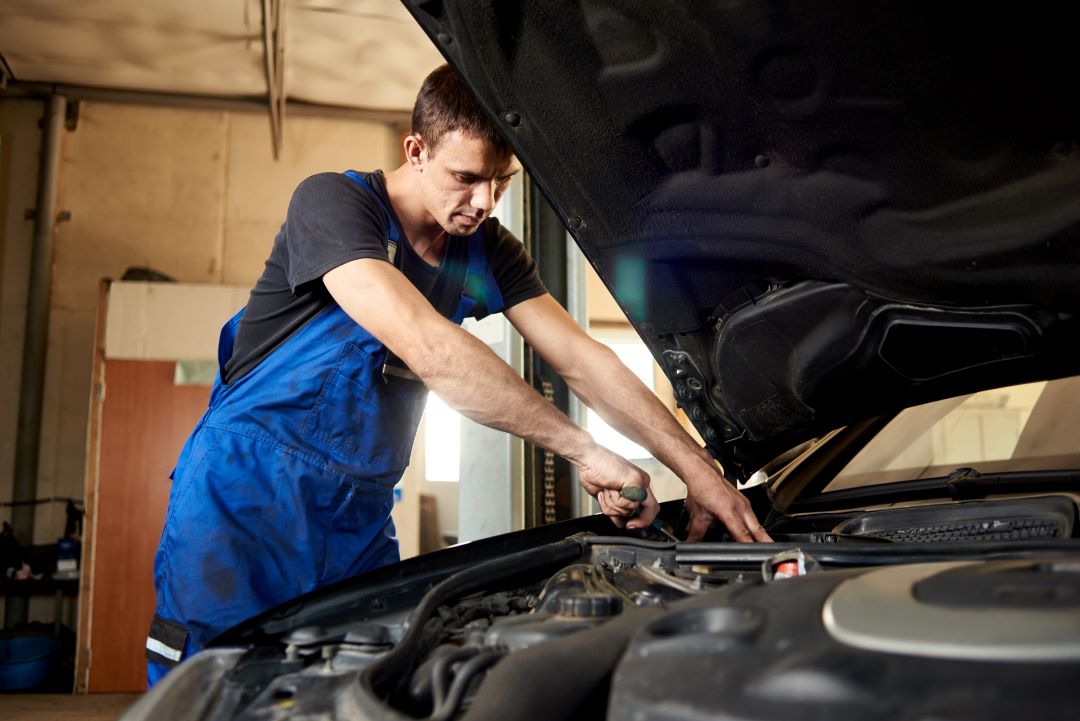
711 497
604 474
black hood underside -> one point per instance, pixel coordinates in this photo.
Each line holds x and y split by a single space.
812 212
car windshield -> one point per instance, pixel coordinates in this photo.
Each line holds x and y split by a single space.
1030 427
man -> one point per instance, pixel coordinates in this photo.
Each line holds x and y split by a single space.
286 483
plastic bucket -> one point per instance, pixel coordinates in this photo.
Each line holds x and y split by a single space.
25 661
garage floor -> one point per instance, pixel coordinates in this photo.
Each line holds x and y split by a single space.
65 707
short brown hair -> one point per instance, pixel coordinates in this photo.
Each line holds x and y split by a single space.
445 104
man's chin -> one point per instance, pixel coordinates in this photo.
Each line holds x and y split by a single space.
459 227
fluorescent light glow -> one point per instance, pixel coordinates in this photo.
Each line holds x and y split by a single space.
442 441
637 358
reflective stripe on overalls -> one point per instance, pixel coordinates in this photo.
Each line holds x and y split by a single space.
286 484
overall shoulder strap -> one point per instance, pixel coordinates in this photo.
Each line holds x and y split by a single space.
227 339
480 285
392 233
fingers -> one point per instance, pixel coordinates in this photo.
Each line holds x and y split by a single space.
747 525
743 525
613 505
738 519
738 530
616 505
747 529
626 514
627 505
757 531
612 512
650 507
699 525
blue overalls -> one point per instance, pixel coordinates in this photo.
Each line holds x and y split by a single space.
286 483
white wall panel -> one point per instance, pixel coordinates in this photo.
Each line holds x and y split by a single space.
168 321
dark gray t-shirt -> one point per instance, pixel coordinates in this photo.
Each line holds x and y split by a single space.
332 220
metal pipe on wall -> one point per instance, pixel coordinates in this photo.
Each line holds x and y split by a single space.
294 108
36 339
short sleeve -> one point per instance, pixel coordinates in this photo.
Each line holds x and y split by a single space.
514 270
331 220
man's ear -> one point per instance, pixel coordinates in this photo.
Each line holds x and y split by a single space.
416 154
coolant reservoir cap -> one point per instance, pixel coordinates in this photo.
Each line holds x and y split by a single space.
589 605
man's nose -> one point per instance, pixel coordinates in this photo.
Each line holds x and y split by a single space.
484 196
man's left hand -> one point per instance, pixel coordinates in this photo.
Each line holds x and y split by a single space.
716 499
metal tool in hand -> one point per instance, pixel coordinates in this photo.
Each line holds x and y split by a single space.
638 494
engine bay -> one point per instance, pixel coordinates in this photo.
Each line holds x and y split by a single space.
941 610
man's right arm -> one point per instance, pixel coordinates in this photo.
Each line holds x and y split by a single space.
469 377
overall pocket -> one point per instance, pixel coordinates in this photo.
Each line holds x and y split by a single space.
371 423
359 536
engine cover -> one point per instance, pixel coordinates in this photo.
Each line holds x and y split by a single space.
985 640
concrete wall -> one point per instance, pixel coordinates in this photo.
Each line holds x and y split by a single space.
192 193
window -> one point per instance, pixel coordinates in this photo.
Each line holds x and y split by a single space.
1024 427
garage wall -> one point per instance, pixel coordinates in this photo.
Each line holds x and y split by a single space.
20 146
192 193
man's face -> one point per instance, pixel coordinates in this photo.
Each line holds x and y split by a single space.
463 180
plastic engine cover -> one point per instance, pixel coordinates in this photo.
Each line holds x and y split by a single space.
772 652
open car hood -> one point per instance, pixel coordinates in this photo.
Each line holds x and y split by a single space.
812 212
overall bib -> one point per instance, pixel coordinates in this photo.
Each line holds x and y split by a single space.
286 483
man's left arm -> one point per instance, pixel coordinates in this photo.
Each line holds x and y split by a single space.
601 381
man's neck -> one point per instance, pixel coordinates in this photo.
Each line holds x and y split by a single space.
427 237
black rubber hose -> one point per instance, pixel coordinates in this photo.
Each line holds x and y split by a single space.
445 709
441 670
561 679
380 678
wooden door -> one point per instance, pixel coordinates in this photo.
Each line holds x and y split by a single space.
145 421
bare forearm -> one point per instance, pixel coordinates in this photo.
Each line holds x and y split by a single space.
455 365
595 374
478 384
473 380
609 388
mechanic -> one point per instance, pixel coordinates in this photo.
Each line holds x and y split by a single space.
286 483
